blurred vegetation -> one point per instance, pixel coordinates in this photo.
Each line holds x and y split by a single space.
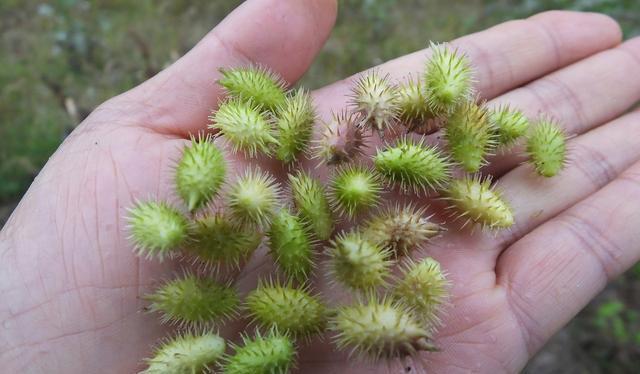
61 58
608 330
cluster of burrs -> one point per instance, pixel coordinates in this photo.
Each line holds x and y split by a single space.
227 216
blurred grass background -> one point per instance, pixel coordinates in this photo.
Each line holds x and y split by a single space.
61 58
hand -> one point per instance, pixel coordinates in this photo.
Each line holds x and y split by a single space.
70 283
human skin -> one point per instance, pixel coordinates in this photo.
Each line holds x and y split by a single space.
70 283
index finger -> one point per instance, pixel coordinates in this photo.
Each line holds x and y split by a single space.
507 55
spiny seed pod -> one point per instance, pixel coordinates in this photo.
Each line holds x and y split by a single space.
401 228
547 148
157 229
270 354
357 263
374 97
253 198
413 165
353 189
293 310
200 173
342 139
510 124
256 84
380 328
291 245
470 136
244 126
295 119
424 288
216 240
191 301
311 202
448 79
414 108
476 200
187 353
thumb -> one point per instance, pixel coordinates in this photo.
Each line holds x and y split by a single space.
282 35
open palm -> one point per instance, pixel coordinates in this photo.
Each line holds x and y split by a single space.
70 283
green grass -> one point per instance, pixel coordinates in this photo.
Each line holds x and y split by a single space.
72 53
80 53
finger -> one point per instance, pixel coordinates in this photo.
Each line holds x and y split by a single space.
552 273
507 55
282 35
597 158
580 96
600 155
